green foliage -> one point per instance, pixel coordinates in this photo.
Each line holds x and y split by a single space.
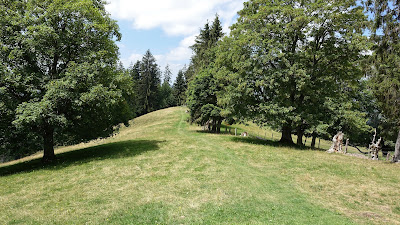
207 39
202 99
166 91
149 84
179 88
285 59
203 86
59 61
134 71
150 93
189 71
384 70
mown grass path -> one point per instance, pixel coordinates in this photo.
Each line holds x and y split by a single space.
161 170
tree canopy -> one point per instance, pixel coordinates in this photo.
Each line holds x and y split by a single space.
285 59
203 86
385 68
179 88
58 66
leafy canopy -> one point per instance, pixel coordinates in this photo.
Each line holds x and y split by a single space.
284 59
58 62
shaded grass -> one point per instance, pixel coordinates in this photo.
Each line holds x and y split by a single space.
269 134
276 144
162 171
101 152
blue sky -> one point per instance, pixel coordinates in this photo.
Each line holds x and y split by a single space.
166 27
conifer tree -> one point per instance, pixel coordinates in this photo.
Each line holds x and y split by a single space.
179 88
166 95
205 41
149 84
134 71
201 99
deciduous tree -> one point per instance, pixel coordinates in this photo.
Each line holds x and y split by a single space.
385 70
285 58
62 57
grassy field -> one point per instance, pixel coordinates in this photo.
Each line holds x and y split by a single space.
161 170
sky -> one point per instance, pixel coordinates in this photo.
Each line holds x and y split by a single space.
166 27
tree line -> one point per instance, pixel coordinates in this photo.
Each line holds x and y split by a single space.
302 67
152 87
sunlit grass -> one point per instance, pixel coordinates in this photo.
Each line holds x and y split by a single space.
162 170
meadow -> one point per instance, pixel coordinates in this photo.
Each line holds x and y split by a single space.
162 170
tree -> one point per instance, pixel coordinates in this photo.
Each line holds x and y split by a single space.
202 91
166 94
202 100
14 143
134 71
179 88
385 72
149 84
205 41
62 57
189 71
285 58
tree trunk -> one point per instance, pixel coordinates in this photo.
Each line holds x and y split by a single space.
396 157
314 138
300 134
286 134
219 126
214 126
48 144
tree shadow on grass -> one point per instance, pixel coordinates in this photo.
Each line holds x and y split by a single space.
208 132
257 141
222 132
80 156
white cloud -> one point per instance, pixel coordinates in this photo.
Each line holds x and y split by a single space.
175 17
183 51
132 59
188 41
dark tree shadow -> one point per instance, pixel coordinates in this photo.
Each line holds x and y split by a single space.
257 141
224 130
101 152
208 132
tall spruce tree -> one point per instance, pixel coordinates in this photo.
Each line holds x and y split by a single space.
166 92
149 84
203 56
179 88
58 65
134 71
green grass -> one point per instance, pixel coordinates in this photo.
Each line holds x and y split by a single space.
161 170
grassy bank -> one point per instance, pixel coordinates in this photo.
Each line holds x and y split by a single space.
163 170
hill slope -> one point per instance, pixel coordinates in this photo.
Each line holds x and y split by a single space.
162 170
